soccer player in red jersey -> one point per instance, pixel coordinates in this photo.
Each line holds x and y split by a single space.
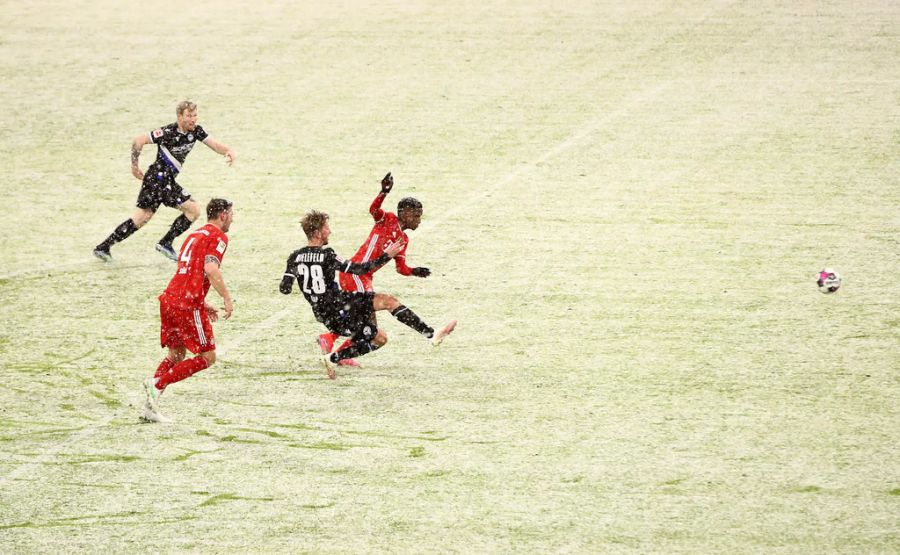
185 316
389 228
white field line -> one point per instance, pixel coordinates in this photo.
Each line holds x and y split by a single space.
574 139
26 470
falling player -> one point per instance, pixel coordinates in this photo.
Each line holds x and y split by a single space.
158 185
389 228
185 316
347 313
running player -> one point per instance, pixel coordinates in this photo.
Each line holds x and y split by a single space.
158 185
389 228
344 312
185 316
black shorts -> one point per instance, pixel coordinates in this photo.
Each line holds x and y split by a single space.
160 187
352 315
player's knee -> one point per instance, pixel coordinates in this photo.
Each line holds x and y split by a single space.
141 217
387 302
191 210
380 338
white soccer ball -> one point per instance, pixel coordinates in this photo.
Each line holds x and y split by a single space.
828 281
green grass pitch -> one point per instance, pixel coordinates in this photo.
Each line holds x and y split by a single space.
625 207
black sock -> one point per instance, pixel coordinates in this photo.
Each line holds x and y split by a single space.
125 229
412 320
179 226
356 349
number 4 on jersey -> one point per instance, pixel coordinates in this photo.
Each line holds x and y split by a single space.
186 256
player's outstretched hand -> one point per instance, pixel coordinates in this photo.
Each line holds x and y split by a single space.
229 157
421 272
387 183
229 308
394 249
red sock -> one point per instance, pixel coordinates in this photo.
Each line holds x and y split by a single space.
333 337
345 344
164 367
182 370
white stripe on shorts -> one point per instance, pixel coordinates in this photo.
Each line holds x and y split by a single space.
199 324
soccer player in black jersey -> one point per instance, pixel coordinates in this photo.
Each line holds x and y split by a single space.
174 142
344 312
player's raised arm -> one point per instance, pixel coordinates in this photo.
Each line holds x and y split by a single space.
136 146
220 148
287 280
386 185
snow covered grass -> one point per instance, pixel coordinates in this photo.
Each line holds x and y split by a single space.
625 207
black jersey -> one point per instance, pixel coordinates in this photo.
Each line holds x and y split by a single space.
174 145
314 268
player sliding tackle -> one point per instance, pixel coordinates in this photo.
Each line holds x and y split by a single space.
347 313
389 228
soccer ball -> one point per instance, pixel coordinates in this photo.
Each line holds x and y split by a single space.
828 281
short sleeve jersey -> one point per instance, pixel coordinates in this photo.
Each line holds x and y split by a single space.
174 146
188 288
385 231
315 268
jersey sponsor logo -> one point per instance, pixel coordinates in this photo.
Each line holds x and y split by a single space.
221 246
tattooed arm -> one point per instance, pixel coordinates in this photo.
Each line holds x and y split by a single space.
136 145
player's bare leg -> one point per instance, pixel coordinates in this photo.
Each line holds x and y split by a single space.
383 301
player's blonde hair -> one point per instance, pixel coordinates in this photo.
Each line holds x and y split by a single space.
312 222
185 105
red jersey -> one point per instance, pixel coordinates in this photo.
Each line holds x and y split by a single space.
189 286
385 231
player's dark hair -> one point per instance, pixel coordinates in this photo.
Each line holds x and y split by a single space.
408 203
312 222
185 105
216 206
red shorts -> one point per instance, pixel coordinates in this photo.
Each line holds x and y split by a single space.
359 284
185 328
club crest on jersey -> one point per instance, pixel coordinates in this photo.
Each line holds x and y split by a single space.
190 136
